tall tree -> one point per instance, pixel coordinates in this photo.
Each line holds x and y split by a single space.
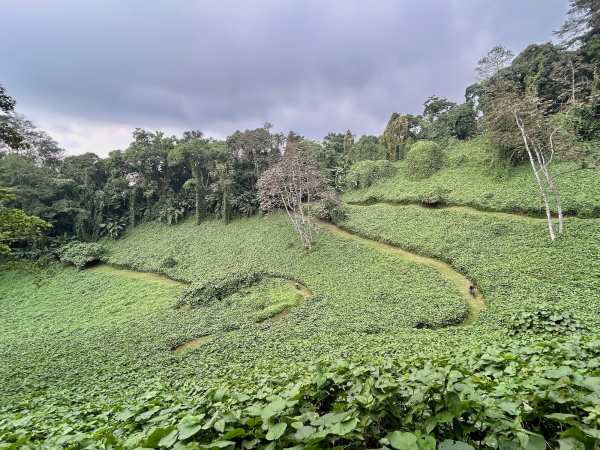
495 60
15 225
367 147
292 184
581 30
348 143
541 139
9 134
200 155
398 134
258 147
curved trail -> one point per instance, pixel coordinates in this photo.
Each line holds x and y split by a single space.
465 209
150 277
476 302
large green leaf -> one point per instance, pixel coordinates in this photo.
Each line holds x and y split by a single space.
454 445
189 426
403 441
276 431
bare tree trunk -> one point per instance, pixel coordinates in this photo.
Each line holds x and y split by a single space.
132 208
555 191
198 191
537 176
572 81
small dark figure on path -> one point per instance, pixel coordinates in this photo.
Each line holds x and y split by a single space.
472 290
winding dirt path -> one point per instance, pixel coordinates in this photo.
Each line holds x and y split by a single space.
465 209
475 302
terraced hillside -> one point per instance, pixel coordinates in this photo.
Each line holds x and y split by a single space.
467 181
390 281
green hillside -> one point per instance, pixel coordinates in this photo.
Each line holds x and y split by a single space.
99 330
431 285
467 180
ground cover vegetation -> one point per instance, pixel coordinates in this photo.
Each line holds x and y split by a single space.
220 350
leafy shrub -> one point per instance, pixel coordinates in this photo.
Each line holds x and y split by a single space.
331 210
172 210
113 227
364 173
81 254
434 196
547 320
424 159
204 293
169 262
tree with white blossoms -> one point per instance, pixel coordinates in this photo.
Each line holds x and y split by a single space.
292 184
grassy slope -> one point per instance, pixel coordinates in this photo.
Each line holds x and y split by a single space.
466 182
512 261
103 331
366 302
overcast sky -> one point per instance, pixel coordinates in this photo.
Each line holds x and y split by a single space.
90 71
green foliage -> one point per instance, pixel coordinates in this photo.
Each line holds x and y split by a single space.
424 159
351 298
330 209
461 401
469 181
398 135
366 148
81 254
489 247
204 293
169 262
172 212
16 226
544 320
365 173
435 196
459 122
113 227
584 120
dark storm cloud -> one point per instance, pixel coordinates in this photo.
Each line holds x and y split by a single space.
312 66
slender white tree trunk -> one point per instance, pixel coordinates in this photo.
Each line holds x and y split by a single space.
537 176
555 191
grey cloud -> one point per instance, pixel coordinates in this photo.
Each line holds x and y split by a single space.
312 66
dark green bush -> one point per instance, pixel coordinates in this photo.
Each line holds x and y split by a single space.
81 254
364 173
203 293
435 196
169 262
331 210
424 159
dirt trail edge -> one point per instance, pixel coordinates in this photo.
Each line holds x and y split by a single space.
150 277
464 209
476 303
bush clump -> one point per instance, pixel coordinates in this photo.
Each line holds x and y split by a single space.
435 196
424 159
331 210
169 262
81 254
364 173
204 293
